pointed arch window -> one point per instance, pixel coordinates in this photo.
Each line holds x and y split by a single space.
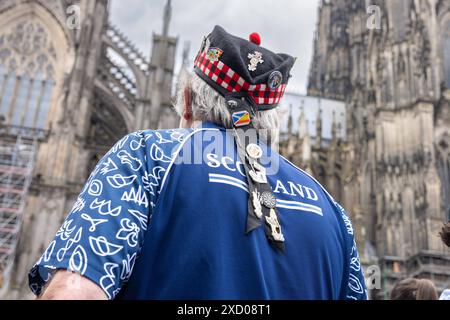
3 77
7 92
27 62
44 104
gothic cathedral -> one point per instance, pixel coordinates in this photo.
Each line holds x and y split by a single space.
71 85
389 61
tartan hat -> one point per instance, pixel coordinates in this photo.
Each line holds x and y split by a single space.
237 67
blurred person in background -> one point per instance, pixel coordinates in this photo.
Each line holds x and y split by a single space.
445 234
414 289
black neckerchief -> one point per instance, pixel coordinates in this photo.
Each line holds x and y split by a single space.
241 103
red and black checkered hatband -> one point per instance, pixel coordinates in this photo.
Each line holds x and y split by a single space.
226 78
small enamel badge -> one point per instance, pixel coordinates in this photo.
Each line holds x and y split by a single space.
214 54
232 104
255 59
241 118
275 80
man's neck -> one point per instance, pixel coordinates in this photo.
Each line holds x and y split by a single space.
190 124
196 124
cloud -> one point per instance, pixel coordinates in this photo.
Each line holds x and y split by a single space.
284 25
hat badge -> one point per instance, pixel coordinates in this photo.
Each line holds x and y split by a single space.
241 118
255 59
214 54
275 80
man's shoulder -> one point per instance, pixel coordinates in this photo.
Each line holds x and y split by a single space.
146 146
161 136
310 180
164 139
306 177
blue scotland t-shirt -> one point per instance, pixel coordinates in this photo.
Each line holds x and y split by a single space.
150 225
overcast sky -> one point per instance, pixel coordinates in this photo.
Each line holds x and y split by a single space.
284 25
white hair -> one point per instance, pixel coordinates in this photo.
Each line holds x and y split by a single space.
208 105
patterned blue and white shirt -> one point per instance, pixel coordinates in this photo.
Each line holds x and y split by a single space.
150 225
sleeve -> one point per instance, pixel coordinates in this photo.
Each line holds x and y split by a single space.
355 287
103 234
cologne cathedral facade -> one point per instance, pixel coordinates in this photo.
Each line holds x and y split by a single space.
71 85
389 62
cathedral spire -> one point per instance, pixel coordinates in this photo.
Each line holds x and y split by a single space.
290 120
167 16
339 130
319 125
186 49
334 127
303 129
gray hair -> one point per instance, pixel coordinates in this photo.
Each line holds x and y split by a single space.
208 105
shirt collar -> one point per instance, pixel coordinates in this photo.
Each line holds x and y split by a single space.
210 125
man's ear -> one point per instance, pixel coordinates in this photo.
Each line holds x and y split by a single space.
187 112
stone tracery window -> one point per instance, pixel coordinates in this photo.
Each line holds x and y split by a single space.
27 60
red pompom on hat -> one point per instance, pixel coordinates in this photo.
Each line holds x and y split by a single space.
255 38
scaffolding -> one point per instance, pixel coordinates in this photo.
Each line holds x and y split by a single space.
17 160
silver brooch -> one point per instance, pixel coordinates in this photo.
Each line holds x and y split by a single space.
254 151
255 59
257 205
258 174
272 221
268 200
258 177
